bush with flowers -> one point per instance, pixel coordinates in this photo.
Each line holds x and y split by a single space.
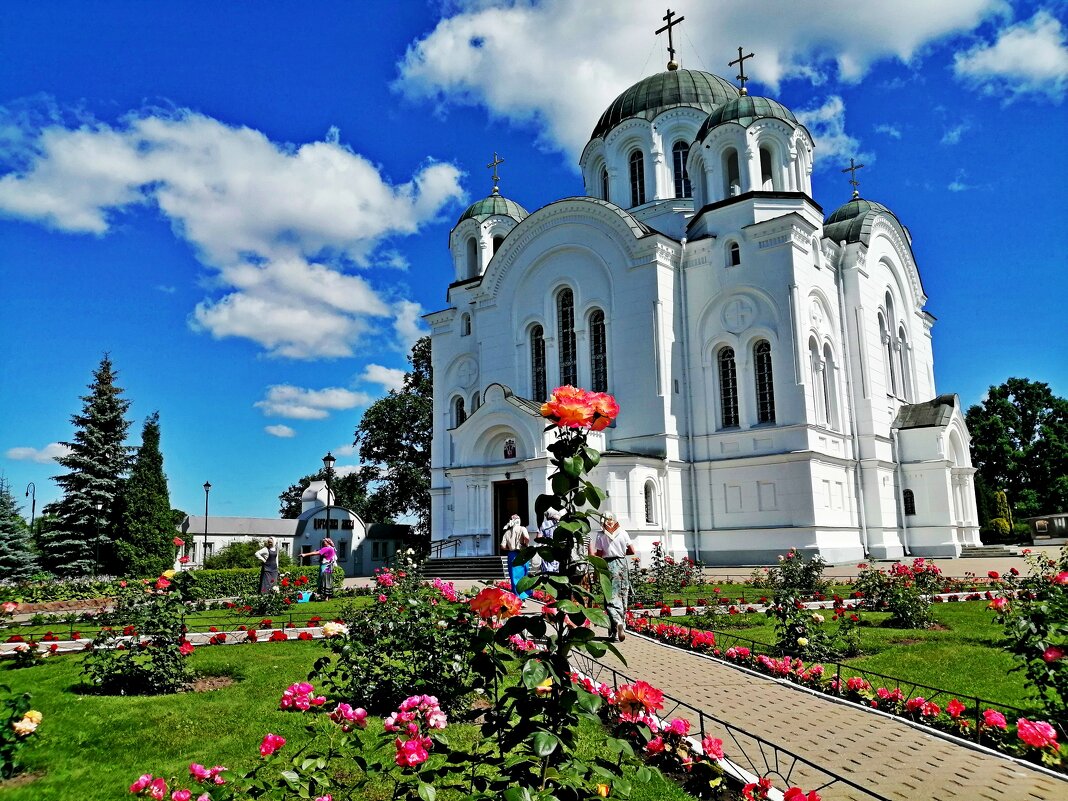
18 725
903 590
144 651
1034 611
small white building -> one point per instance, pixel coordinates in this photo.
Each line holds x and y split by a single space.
773 366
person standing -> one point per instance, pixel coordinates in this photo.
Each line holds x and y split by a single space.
268 556
327 557
515 537
548 528
614 546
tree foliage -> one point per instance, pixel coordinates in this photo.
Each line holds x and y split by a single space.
349 490
143 537
96 465
242 554
17 559
1020 445
394 439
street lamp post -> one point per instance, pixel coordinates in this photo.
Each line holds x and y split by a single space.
31 493
328 463
204 546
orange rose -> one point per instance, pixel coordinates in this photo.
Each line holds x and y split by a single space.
496 603
604 405
639 698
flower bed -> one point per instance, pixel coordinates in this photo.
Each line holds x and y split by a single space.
1036 741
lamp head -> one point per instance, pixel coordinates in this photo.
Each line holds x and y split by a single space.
328 461
207 486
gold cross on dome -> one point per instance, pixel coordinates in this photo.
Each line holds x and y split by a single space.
493 166
741 76
852 170
672 64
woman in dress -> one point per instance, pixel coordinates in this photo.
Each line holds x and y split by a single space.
614 546
327 555
515 537
268 556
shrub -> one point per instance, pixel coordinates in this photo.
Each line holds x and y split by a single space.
204 584
18 723
43 588
999 526
242 554
665 577
143 652
902 591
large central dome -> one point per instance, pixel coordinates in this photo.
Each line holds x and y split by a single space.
657 93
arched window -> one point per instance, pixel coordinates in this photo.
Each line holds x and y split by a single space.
908 500
767 174
538 389
819 381
637 178
598 353
605 195
465 325
765 382
732 183
472 257
565 324
903 364
459 414
476 402
815 253
830 388
679 152
728 388
734 255
497 242
650 503
887 340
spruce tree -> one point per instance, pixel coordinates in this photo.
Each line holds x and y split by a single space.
80 542
17 560
143 538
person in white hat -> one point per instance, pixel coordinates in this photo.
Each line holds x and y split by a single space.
548 528
614 546
515 537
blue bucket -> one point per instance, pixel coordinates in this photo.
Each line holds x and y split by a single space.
303 597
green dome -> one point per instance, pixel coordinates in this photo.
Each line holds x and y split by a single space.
657 93
744 110
491 206
852 221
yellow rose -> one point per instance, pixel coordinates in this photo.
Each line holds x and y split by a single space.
24 727
34 715
802 641
545 687
602 790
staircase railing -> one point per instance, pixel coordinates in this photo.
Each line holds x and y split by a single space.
437 549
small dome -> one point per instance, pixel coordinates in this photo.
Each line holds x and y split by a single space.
743 110
493 205
852 221
657 93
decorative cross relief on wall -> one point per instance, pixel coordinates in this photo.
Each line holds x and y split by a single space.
737 315
467 373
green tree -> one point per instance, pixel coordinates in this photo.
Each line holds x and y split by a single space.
145 529
350 491
97 462
394 439
17 559
243 554
1020 445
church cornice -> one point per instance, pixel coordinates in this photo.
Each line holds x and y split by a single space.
755 195
791 228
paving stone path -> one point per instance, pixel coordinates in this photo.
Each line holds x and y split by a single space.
886 755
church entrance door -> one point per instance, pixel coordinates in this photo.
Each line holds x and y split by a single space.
509 498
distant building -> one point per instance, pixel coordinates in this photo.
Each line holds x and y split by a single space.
1048 529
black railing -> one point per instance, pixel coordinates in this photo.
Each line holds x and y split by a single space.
749 752
437 549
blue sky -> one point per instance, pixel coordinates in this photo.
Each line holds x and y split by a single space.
247 204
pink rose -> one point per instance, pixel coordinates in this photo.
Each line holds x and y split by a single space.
186 648
181 795
271 743
142 782
199 772
158 789
994 720
412 752
713 747
1053 654
655 745
1037 734
954 708
1061 578
998 604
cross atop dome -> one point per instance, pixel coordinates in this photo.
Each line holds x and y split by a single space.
741 76
852 170
672 63
496 178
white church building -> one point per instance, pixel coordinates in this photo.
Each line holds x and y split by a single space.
773 365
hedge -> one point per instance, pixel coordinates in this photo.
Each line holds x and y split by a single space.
206 584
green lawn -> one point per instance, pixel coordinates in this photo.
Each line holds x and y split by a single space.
91 747
963 657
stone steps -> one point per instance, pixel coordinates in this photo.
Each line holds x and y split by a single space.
988 551
467 567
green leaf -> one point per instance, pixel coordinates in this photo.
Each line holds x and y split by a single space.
291 778
517 794
545 743
643 775
597 617
621 786
589 702
534 673
573 466
427 791
526 582
596 648
606 585
570 607
562 484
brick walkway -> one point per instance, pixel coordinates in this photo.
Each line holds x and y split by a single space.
885 755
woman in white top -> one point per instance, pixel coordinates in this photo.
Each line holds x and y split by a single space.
614 546
515 537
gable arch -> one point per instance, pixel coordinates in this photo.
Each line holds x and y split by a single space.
763 313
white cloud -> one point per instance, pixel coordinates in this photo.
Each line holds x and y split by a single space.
285 400
283 225
285 432
345 450
49 453
388 377
558 64
408 323
343 470
826 123
890 130
953 134
1027 58
958 184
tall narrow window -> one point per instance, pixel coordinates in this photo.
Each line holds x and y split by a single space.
538 389
767 176
565 324
819 382
815 253
476 401
830 388
605 194
598 353
465 325
734 255
765 383
732 184
650 503
679 152
472 258
497 242
903 364
728 389
908 500
888 356
637 178
459 414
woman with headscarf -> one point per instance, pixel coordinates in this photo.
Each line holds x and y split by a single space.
548 528
268 556
327 559
614 546
515 537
